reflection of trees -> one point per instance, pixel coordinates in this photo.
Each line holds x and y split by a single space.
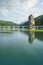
31 36
39 35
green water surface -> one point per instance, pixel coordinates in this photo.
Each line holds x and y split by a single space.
21 48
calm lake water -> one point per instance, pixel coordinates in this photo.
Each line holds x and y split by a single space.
21 48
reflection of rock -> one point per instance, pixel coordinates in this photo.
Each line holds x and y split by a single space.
31 36
31 22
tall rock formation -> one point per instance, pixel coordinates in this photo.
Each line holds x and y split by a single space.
31 22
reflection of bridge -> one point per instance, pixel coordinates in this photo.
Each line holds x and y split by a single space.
8 28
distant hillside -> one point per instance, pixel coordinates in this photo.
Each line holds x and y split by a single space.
38 21
7 23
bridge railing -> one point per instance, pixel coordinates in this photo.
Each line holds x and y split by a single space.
38 27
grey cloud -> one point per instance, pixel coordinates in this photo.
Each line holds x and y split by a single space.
19 10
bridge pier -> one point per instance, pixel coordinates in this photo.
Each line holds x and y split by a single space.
37 27
13 27
0 28
18 27
4 28
23 27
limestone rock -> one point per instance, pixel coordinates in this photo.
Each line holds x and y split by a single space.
31 22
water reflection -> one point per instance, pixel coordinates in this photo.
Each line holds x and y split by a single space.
31 36
39 35
34 35
15 48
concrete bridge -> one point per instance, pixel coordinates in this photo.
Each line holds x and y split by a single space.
9 28
12 28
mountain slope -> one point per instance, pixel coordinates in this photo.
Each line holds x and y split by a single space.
7 23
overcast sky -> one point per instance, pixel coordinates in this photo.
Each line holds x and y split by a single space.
19 10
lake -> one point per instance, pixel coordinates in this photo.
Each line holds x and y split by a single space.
21 48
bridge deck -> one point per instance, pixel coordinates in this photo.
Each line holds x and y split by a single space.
9 28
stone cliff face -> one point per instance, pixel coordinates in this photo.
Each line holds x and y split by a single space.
31 22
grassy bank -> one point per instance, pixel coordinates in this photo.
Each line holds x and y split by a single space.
34 30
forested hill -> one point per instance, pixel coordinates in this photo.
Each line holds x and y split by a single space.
7 23
38 21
